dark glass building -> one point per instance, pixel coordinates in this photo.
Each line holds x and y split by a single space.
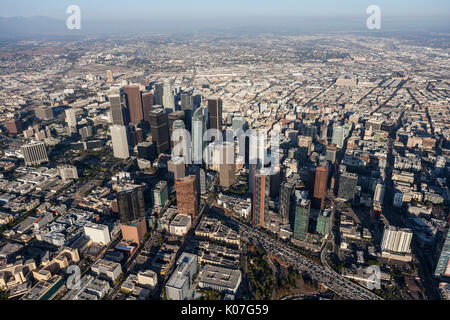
131 204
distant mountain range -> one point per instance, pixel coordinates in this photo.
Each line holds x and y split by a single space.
12 27
23 27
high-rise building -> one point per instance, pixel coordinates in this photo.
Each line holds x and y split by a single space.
159 129
320 186
134 231
256 156
120 141
14 126
443 261
396 240
198 130
238 123
34 153
159 93
118 112
301 220
168 97
147 104
176 168
181 281
309 130
131 204
324 222
338 136
227 166
71 118
44 113
202 176
305 141
275 182
172 117
187 101
347 186
215 113
147 151
160 194
286 197
134 102
186 190
324 132
331 153
261 197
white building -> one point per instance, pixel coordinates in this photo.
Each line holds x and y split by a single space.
68 172
379 193
147 278
108 269
98 233
120 142
397 240
179 284
180 225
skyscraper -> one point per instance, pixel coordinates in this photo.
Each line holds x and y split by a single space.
172 117
324 222
71 118
187 101
331 153
176 168
320 187
158 93
186 190
160 194
147 151
131 204
147 104
305 142
261 197
443 261
182 144
34 153
198 130
227 167
118 112
134 102
286 197
301 223
338 136
347 185
120 141
168 96
215 113
160 132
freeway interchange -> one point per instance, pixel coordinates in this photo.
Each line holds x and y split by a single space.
325 275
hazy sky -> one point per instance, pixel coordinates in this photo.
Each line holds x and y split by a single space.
198 9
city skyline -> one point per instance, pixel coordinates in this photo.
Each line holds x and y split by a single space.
225 151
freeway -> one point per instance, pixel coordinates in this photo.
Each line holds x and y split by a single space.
324 275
